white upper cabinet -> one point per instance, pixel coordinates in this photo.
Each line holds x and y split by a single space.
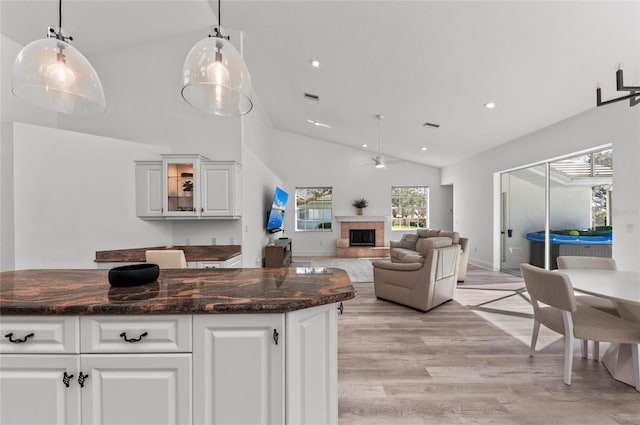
149 189
221 196
188 186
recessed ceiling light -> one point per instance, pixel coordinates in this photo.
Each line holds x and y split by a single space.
490 105
364 145
318 123
424 148
314 63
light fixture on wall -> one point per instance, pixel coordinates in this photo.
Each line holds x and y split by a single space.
633 96
379 159
215 78
52 74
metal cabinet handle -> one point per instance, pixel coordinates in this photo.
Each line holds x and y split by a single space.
341 308
81 379
275 336
123 335
66 378
18 340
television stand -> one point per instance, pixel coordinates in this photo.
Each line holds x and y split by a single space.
278 254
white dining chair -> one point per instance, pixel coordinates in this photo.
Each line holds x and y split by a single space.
166 258
562 314
599 303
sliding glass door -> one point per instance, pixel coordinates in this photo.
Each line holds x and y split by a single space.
578 192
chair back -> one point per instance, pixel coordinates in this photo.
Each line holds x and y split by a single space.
549 287
167 258
576 262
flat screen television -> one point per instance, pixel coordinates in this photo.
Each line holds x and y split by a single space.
276 213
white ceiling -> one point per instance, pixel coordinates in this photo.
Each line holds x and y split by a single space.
412 61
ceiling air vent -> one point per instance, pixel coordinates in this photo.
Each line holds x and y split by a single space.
430 124
311 96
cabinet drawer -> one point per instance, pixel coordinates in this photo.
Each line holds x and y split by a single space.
42 334
135 334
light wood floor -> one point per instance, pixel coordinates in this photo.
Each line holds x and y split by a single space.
466 362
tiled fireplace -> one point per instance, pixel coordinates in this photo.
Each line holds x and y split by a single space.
362 236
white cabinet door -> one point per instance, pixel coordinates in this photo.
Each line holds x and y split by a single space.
33 389
240 364
219 194
149 188
151 389
312 366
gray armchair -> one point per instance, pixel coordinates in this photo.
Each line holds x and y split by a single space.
423 281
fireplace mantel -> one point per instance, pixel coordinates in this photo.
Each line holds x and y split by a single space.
352 218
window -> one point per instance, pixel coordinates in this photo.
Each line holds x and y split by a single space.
313 208
409 207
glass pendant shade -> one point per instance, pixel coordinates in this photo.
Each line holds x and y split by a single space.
52 74
216 79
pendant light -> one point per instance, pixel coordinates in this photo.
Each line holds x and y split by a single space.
379 159
52 74
215 77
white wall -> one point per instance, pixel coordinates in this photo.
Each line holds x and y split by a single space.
11 109
74 195
476 184
303 162
259 183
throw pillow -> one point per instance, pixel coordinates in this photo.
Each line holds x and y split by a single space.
408 241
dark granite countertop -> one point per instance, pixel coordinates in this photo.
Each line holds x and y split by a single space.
184 291
191 252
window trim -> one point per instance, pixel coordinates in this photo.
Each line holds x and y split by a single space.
296 229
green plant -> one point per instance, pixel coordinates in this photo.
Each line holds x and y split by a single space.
360 203
187 186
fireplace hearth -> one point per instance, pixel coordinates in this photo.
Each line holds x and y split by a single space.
362 237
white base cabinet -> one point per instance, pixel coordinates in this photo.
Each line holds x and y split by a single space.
122 389
171 369
240 360
32 391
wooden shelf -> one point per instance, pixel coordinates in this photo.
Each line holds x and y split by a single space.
279 254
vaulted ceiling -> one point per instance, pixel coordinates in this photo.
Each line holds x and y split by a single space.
412 61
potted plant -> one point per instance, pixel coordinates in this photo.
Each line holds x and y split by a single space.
360 204
187 188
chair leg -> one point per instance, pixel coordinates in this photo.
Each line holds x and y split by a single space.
596 351
568 358
636 364
584 348
534 337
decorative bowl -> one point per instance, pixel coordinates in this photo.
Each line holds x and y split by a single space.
135 274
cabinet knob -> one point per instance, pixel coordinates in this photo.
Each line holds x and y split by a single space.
66 378
18 340
81 379
123 335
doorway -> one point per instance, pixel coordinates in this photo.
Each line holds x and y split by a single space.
560 207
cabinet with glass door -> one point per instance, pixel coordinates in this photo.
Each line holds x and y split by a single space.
181 195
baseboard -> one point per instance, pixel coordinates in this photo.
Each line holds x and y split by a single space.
482 264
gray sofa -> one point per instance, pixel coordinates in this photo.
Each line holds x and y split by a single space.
408 249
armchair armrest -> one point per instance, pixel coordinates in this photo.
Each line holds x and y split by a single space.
407 267
394 244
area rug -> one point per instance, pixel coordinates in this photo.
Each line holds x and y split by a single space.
358 269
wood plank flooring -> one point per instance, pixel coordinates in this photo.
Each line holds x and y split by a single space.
466 362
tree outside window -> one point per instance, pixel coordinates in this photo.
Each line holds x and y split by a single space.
409 207
314 208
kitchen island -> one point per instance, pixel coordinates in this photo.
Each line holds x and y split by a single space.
197 346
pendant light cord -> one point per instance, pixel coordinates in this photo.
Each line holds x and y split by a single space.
59 15
219 19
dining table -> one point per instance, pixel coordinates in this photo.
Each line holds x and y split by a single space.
623 289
